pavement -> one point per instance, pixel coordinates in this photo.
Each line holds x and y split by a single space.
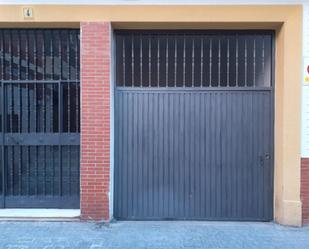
151 235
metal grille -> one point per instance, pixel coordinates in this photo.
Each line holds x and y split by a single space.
193 59
40 117
39 54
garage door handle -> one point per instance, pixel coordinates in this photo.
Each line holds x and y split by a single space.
263 158
267 157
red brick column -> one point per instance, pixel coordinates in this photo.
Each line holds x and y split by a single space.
305 189
95 120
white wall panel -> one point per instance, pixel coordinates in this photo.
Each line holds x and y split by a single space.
305 84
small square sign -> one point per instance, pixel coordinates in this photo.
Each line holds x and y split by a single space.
28 13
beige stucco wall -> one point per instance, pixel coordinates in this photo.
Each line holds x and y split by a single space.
286 20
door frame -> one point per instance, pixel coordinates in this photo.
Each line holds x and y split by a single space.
287 210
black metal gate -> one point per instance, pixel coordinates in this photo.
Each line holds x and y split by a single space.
194 125
40 115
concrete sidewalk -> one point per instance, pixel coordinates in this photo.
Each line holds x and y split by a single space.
152 235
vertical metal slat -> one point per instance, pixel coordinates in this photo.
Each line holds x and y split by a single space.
193 61
19 55
184 61
210 62
3 161
149 61
60 130
175 62
166 63
141 61
158 64
132 62
202 60
124 61
254 62
246 63
228 63
219 63
237 58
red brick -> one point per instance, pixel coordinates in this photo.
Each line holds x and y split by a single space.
305 189
95 120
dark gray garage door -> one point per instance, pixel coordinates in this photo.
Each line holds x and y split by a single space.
194 125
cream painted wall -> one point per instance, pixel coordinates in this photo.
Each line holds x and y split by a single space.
305 85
